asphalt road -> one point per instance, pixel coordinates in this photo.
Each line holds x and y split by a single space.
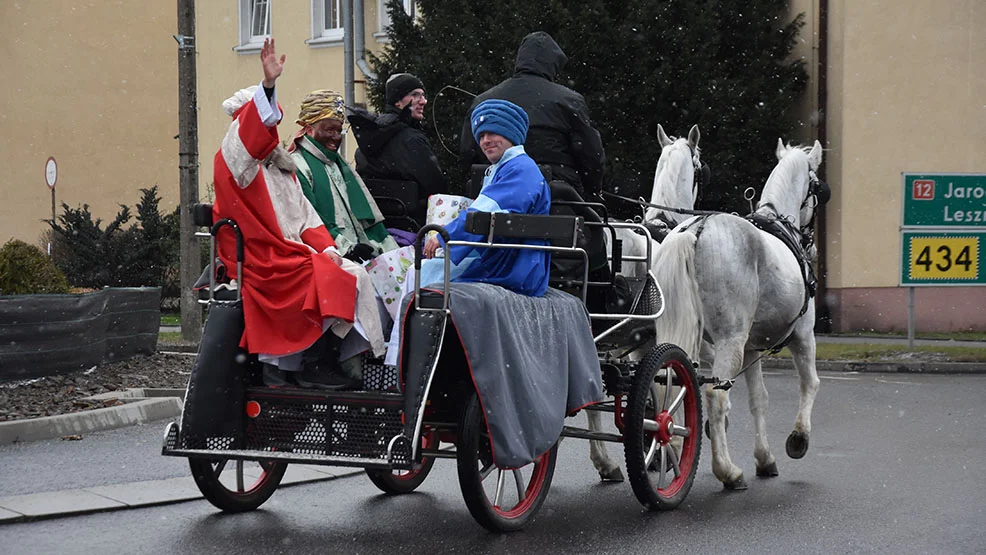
895 466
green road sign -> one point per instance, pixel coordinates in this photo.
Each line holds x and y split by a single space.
944 200
942 258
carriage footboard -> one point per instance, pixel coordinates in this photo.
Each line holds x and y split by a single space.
313 427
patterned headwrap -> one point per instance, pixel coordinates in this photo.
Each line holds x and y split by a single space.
319 105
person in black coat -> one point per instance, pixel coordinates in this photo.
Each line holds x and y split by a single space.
561 134
393 145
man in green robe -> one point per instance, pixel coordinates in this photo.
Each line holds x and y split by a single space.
338 194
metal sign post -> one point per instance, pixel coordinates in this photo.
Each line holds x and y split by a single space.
942 233
51 176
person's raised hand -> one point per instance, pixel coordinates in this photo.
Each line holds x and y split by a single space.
272 65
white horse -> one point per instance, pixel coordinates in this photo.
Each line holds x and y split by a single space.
675 187
744 289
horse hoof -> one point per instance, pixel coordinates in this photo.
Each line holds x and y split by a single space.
612 475
738 484
768 471
797 445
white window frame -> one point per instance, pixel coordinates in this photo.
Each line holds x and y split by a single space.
249 42
383 18
322 35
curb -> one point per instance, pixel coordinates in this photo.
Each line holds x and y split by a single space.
141 406
117 497
883 367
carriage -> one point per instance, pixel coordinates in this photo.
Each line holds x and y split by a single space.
239 436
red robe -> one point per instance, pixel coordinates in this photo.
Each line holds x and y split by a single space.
288 286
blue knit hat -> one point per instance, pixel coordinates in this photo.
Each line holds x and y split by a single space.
500 117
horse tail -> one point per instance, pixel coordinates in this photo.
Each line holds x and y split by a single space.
682 322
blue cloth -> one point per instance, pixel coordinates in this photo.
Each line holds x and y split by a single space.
514 185
501 117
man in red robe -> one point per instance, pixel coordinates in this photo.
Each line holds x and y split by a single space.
293 286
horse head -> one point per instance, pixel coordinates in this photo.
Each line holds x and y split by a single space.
793 189
675 183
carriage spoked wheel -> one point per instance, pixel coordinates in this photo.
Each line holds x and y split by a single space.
662 439
397 482
500 500
235 486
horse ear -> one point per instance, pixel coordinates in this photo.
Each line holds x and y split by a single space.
662 137
781 149
694 136
815 155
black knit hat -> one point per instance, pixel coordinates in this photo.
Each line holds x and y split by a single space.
400 85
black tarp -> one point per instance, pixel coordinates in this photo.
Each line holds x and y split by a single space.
41 335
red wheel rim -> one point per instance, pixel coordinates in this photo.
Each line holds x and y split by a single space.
534 485
665 419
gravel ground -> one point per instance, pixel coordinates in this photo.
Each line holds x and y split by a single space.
67 392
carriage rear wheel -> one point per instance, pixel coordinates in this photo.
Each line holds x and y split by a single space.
235 486
663 436
500 500
405 481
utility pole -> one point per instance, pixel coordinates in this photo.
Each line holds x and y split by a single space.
188 165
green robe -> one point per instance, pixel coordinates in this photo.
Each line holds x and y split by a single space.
328 183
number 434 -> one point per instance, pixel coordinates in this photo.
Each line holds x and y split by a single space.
944 261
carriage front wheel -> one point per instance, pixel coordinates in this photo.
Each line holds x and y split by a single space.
662 439
500 500
236 486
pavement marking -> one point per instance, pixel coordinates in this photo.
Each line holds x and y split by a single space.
882 380
842 378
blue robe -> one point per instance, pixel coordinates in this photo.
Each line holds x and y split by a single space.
515 185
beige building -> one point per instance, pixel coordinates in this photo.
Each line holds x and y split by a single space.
93 85
895 87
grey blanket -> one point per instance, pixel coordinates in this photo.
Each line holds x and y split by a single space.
533 362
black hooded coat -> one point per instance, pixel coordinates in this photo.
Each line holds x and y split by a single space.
393 146
561 134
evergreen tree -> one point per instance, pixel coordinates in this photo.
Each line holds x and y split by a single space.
722 64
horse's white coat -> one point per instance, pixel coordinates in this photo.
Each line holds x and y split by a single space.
744 289
674 187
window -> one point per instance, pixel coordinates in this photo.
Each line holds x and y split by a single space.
384 17
326 22
254 24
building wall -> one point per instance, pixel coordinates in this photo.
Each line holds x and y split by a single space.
93 84
906 93
222 71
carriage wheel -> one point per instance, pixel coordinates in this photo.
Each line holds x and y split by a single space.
236 486
496 503
405 481
662 439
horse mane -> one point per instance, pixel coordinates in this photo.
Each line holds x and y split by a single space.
778 191
668 173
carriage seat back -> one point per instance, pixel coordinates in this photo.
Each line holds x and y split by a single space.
398 201
594 243
559 231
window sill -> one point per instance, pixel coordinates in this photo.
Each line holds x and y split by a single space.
324 42
249 48
382 37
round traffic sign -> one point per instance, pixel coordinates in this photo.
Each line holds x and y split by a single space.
51 172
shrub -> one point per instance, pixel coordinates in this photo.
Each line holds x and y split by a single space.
26 270
145 254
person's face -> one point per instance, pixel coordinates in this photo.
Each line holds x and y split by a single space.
493 146
417 100
328 132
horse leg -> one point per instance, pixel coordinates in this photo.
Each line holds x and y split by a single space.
608 470
765 462
728 357
803 350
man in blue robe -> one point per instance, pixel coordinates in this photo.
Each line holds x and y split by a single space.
513 184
